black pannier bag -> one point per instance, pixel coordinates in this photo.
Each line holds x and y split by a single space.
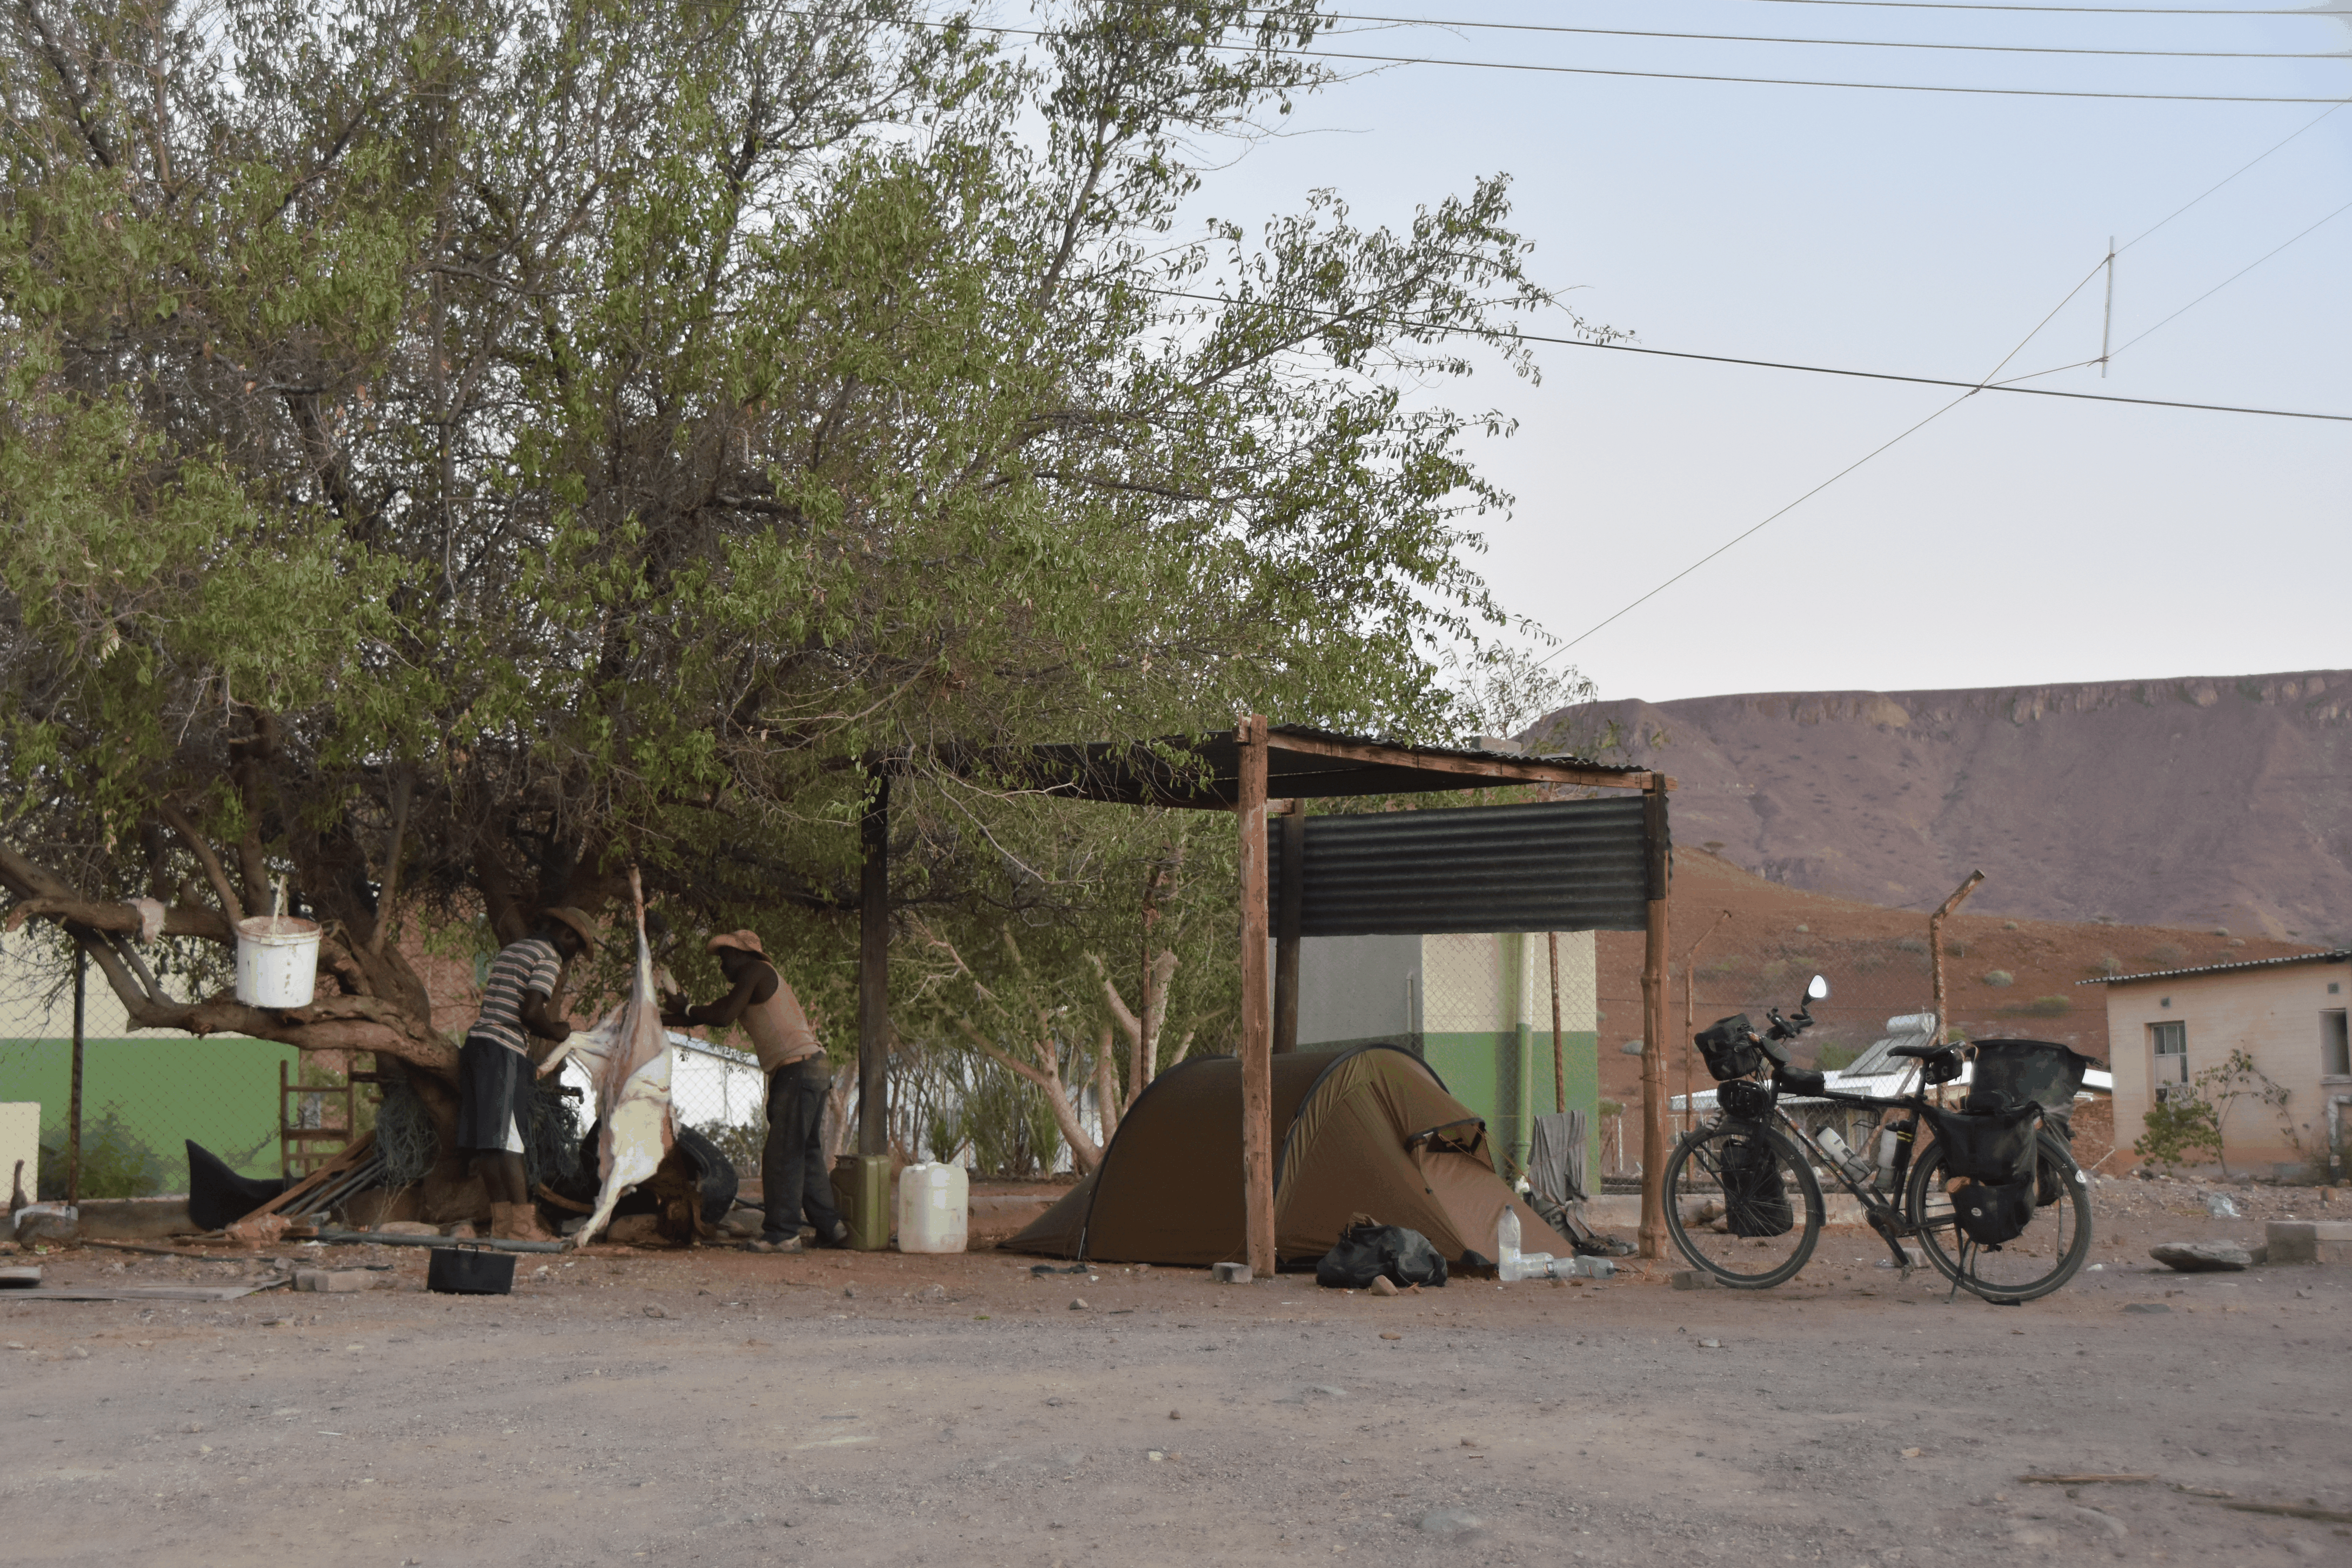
1988 1146
1368 1252
1993 1212
1754 1201
1727 1044
2016 1071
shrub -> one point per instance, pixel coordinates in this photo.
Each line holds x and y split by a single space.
2009 925
2168 954
2107 964
115 1162
1911 944
1832 1056
2000 979
2047 1007
1955 948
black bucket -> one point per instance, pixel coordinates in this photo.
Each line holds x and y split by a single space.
470 1272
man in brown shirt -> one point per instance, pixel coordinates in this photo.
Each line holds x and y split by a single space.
793 1178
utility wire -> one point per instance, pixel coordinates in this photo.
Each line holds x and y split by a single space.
2323 115
1685 76
1783 512
2241 272
1499 333
1832 43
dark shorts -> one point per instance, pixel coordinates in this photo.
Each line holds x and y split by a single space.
494 1098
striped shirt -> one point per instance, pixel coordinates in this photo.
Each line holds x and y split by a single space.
521 967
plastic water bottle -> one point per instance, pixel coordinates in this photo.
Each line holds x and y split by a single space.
1845 1159
1507 1238
1531 1266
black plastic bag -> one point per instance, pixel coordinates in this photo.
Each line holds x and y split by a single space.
1369 1252
1755 1203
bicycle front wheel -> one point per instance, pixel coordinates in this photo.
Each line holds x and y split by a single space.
1742 1204
2045 1256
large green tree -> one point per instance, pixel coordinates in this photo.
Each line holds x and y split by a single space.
449 451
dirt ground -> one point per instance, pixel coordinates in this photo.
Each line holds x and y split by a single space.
719 1406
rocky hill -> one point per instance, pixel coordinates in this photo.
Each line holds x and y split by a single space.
2201 804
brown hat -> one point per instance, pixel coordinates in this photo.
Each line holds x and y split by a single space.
564 913
745 941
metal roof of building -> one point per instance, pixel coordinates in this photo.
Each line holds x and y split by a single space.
2334 956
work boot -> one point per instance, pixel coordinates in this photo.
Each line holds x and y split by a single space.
772 1244
837 1237
516 1222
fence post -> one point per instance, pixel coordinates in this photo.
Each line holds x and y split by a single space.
73 1098
1257 1031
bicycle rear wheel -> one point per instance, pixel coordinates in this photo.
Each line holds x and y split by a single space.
2047 1254
1742 1204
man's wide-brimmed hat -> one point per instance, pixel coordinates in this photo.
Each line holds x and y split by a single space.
742 941
578 920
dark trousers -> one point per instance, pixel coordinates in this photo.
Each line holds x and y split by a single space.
794 1179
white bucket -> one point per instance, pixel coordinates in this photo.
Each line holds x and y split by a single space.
934 1207
277 961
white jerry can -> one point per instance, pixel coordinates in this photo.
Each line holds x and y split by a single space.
934 1207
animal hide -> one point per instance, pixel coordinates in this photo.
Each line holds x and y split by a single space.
628 1061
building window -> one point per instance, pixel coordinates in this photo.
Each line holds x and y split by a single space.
2168 1043
2335 1046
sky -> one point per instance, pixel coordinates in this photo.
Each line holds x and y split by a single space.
2012 540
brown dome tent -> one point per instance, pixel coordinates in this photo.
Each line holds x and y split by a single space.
1368 1130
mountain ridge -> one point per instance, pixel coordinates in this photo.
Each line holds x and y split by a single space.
2190 802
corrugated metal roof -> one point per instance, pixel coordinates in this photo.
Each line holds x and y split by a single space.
1553 865
2337 955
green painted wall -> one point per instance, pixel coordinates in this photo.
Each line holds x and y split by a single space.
221 1092
1482 1070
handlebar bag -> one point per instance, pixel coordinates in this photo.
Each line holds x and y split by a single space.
1988 1147
1728 1047
1993 1212
1755 1203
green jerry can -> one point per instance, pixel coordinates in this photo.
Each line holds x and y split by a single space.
861 1190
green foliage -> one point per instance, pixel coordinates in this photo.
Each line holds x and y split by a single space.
1834 1055
468 449
2046 1008
2177 1129
2194 1117
1998 979
115 1161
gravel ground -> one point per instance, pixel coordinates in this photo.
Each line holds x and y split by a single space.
724 1407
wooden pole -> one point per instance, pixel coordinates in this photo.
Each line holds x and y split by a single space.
1290 899
73 1095
1257 1043
874 973
1559 1053
1655 1138
1935 946
1690 1010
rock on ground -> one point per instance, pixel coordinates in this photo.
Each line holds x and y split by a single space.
2203 1257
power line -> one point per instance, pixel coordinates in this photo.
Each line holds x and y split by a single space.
1695 76
1496 333
1771 81
2241 272
2152 228
1834 43
1784 511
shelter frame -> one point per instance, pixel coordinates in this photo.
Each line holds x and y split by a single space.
1237 772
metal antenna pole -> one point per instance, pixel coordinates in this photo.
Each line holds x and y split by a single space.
2107 322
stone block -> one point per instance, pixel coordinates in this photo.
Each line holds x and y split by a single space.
2202 1257
2310 1240
1229 1273
334 1280
1694 1280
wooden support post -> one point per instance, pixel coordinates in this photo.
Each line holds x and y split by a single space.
1654 1139
1290 896
1257 1043
874 973
1559 1053
73 1095
1935 947
1690 1023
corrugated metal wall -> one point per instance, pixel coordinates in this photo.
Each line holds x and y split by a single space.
1555 865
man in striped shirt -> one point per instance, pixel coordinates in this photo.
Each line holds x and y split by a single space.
521 996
